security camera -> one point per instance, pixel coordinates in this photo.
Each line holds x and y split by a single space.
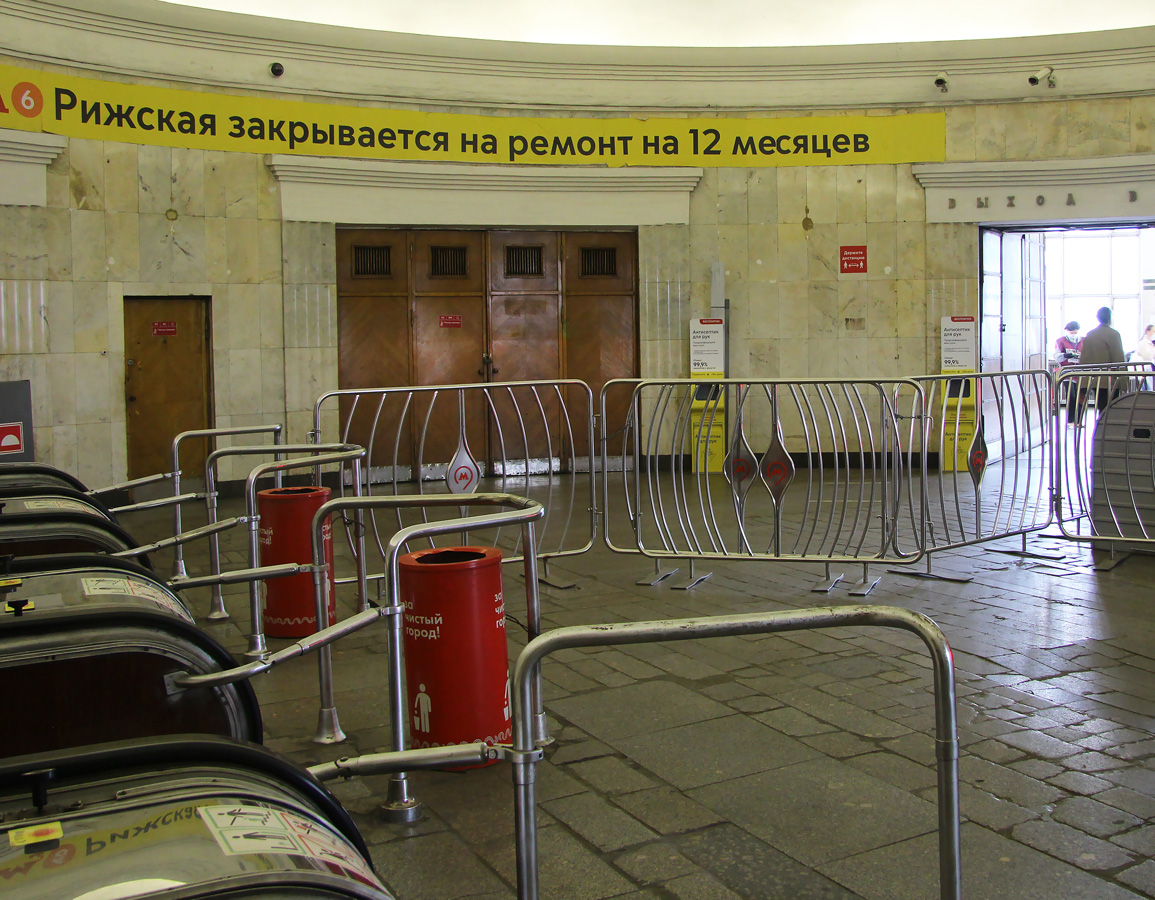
276 70
1045 74
940 81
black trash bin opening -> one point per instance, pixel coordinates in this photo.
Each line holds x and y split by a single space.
445 557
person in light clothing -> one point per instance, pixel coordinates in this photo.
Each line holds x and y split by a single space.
1103 346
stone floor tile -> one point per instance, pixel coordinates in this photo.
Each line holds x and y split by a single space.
1071 845
1140 841
596 821
793 722
1080 783
1093 817
667 811
610 775
1140 877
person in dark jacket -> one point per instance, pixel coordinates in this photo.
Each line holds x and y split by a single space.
1103 346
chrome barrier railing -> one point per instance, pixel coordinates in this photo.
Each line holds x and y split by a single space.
992 437
217 609
1104 469
459 439
800 471
178 565
526 754
522 512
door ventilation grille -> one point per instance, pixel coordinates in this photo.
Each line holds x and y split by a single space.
599 261
521 262
447 262
371 262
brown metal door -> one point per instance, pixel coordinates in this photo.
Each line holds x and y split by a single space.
373 339
167 385
449 340
600 317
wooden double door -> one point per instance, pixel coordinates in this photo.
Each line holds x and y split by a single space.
468 307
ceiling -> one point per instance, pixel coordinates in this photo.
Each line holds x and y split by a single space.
717 23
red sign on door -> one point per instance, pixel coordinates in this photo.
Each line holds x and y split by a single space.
12 437
163 329
449 322
852 260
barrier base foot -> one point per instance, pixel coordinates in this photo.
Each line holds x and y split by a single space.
825 587
401 813
1109 562
557 583
257 646
692 581
328 728
217 615
864 587
931 576
657 577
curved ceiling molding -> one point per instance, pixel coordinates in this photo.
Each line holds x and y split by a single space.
137 38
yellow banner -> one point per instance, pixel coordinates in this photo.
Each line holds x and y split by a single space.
50 102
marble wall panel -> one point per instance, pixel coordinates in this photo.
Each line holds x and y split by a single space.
792 199
881 195
762 202
91 326
122 245
89 255
155 180
93 390
763 253
763 316
188 182
86 174
1098 127
120 177
822 253
990 132
733 197
156 248
822 194
960 133
242 246
793 253
853 188
59 317
189 248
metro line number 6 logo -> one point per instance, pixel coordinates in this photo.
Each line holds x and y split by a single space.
26 100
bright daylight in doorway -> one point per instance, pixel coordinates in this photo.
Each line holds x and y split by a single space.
721 23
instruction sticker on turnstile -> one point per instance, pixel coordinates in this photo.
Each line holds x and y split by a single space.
112 585
243 830
59 504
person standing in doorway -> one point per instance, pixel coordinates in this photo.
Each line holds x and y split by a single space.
1103 347
1069 346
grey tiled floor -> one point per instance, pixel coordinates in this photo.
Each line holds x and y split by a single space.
790 766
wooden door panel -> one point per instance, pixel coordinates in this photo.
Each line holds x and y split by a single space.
372 261
523 261
449 343
373 352
167 383
601 345
448 262
600 262
525 341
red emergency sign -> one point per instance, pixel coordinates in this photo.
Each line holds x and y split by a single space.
852 259
450 322
12 437
163 329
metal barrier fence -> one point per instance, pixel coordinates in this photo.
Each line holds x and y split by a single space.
991 438
1104 470
829 482
510 437
526 753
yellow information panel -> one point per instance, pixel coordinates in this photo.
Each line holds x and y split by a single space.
56 103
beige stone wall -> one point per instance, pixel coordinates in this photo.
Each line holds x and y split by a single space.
131 220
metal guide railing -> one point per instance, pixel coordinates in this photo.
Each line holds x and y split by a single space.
515 511
992 438
827 483
526 753
217 609
178 565
1104 464
458 439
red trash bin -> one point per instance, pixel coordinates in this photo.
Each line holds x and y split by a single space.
286 536
456 659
